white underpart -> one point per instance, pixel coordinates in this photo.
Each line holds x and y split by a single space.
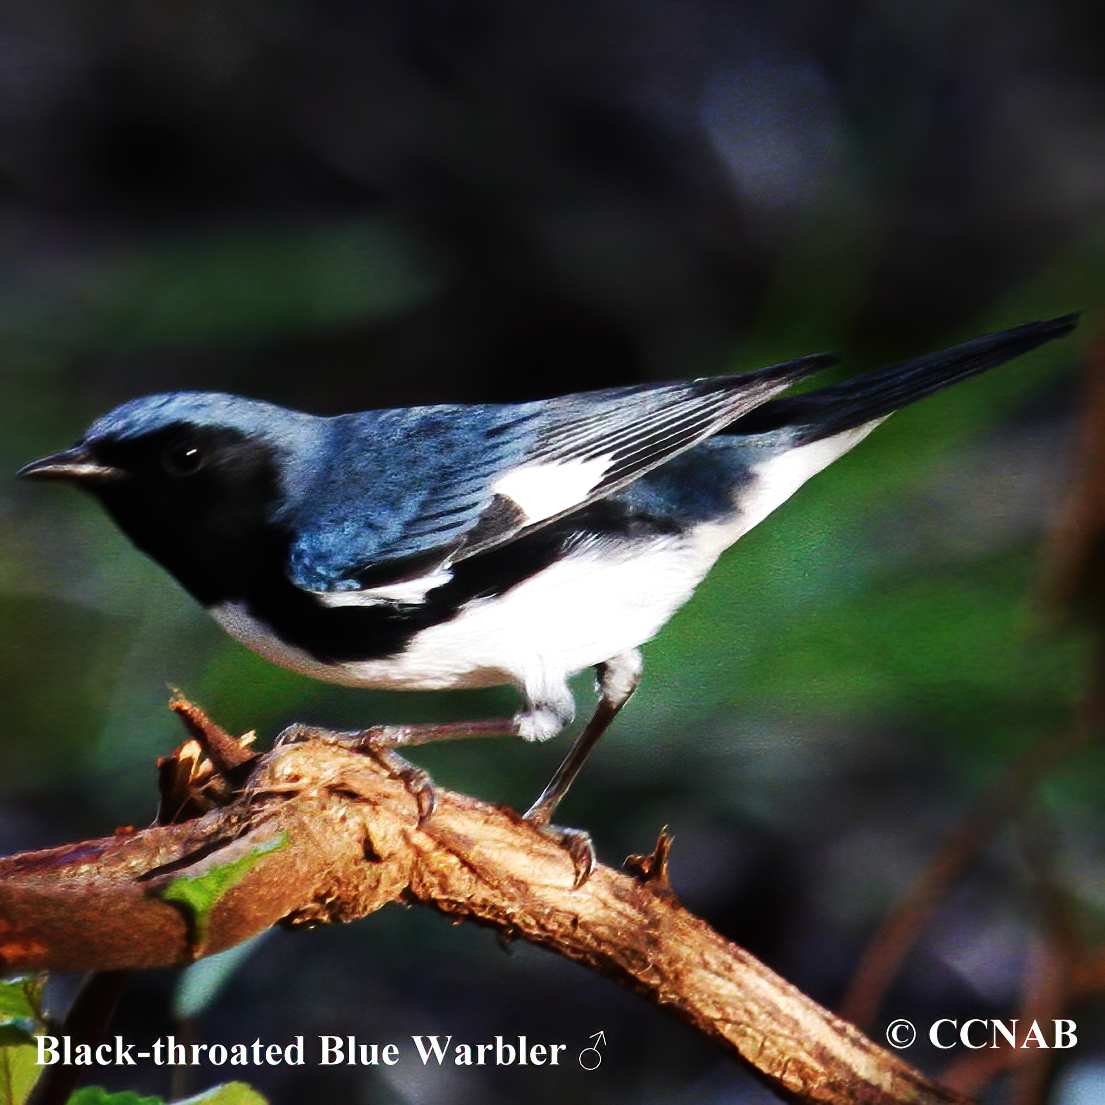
620 676
544 490
775 480
595 604
578 612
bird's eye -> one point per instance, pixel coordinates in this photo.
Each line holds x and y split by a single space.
183 458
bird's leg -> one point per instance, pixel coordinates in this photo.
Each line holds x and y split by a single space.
380 741
379 737
617 679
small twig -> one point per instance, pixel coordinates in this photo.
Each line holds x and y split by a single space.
225 752
1048 989
1075 584
86 1022
887 949
652 870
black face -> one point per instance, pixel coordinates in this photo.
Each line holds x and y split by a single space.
198 500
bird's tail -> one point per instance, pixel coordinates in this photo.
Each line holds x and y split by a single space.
832 410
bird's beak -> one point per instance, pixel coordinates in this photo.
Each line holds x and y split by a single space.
72 464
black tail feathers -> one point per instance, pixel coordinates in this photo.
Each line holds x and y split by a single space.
820 414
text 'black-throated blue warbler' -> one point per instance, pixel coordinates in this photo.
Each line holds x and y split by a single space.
469 546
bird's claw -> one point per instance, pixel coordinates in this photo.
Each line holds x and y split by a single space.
576 842
421 787
296 734
581 848
376 743
416 779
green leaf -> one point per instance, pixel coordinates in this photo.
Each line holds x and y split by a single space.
21 1003
230 1093
96 1095
19 1071
21 1017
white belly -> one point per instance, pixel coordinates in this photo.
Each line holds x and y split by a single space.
576 613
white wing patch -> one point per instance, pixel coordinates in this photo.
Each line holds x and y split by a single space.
408 591
545 490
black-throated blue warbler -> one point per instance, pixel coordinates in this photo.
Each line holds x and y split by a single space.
468 546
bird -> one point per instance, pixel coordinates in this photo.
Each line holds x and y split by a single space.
452 545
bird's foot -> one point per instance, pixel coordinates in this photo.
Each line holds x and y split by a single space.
399 736
380 743
617 679
576 842
416 779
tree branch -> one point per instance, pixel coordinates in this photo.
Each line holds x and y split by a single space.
320 833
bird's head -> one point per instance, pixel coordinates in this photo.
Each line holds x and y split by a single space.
192 478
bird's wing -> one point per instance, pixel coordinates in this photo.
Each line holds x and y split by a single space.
429 486
591 445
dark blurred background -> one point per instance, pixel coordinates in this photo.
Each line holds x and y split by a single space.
336 205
